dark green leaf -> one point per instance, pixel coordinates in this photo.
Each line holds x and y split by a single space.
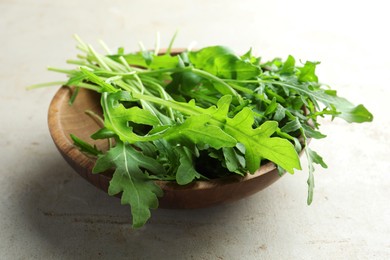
291 126
186 172
271 107
234 161
280 113
347 110
84 146
103 133
74 95
311 133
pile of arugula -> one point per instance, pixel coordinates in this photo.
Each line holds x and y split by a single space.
172 115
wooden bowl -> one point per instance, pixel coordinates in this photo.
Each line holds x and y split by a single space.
64 120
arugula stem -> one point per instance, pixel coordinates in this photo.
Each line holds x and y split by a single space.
127 66
69 72
161 71
163 94
82 45
47 84
98 58
291 86
88 86
82 63
168 52
105 47
168 103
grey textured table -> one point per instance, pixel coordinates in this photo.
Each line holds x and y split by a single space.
49 212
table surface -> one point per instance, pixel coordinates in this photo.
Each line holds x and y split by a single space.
49 212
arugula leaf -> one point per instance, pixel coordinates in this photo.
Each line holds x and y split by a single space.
288 66
292 126
117 117
258 143
307 72
85 147
138 190
348 111
312 157
234 161
222 62
311 133
316 158
200 131
186 172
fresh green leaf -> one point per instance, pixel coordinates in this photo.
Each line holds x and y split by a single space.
316 158
311 133
280 113
103 133
292 126
117 117
200 131
137 189
186 172
147 59
312 157
288 66
271 107
222 62
234 161
348 111
258 143
308 72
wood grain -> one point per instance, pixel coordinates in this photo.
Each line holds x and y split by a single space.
64 120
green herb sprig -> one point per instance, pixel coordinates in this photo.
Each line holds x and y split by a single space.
172 114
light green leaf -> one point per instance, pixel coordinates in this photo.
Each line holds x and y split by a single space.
258 143
200 131
222 62
308 72
147 59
